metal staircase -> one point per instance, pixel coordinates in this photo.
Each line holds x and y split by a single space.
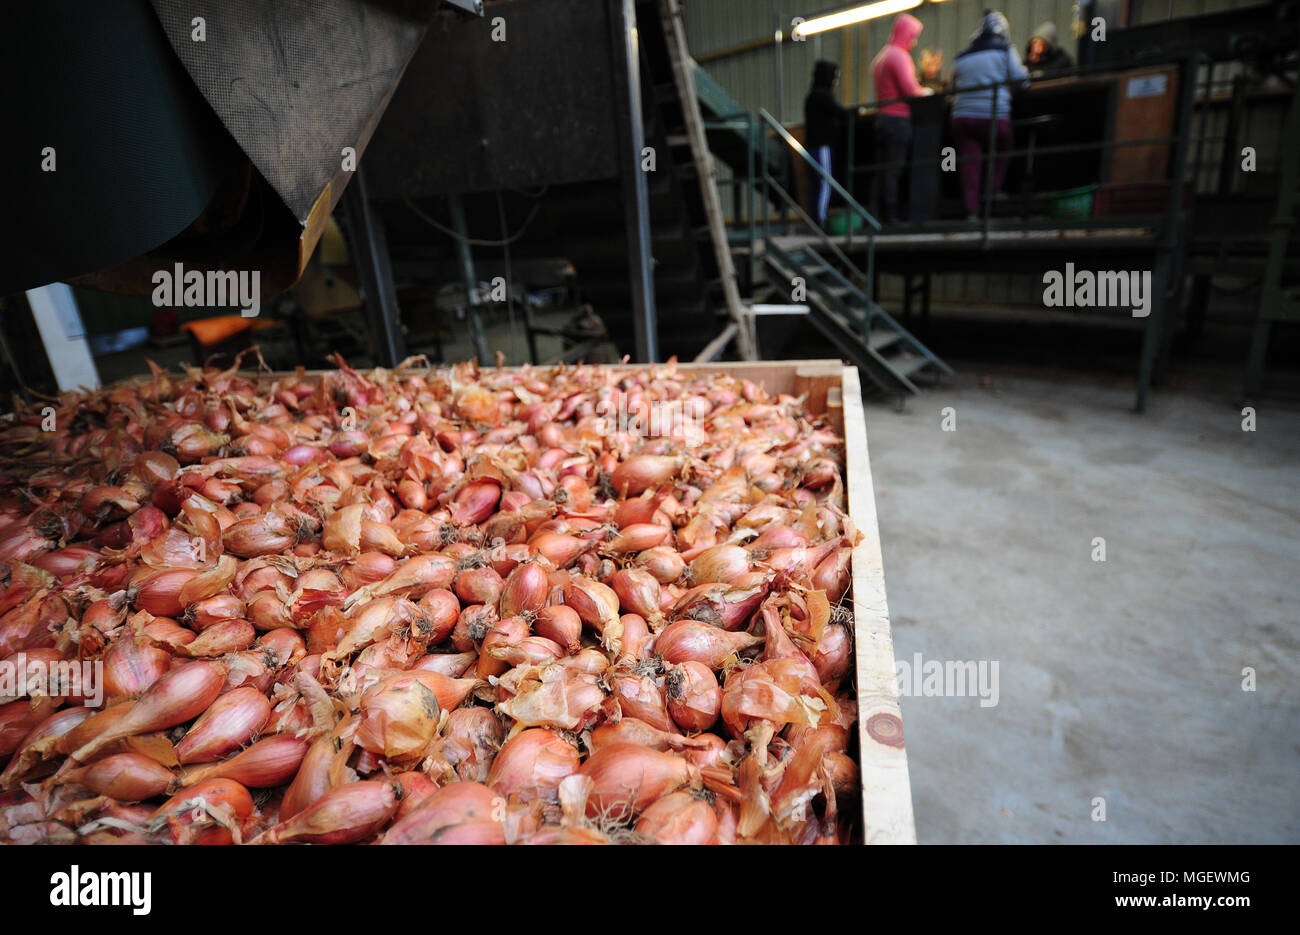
882 349
837 294
690 121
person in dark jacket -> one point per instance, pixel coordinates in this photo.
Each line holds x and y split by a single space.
1043 54
824 123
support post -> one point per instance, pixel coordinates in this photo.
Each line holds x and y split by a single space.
630 120
1153 338
925 303
374 266
1169 253
751 190
468 277
1273 299
990 165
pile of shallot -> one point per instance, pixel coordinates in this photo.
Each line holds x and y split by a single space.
575 605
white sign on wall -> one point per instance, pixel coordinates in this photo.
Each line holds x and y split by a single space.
1147 86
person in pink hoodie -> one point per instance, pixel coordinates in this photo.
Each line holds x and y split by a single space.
894 73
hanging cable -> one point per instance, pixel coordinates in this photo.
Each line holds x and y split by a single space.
1240 290
474 241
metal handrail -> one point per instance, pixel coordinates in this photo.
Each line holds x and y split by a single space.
1079 71
822 173
816 229
1059 149
991 152
1108 69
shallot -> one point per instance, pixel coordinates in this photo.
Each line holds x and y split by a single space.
452 605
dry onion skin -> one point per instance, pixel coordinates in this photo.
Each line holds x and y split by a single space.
427 605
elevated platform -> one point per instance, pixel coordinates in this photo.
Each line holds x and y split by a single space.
1004 235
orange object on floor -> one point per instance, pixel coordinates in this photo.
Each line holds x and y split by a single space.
212 331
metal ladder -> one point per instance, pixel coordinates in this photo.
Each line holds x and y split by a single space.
882 349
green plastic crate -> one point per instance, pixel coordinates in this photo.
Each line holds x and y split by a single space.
1072 204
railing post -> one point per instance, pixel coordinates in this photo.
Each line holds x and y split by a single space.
790 180
848 176
869 286
751 143
767 190
988 168
1169 249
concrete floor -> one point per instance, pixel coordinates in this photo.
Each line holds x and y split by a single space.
1120 679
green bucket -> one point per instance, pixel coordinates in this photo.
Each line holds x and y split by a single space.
837 223
1072 204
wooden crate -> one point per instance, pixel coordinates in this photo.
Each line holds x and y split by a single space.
833 389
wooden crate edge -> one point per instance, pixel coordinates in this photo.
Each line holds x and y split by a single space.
886 786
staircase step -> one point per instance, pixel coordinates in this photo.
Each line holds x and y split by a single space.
812 263
909 367
882 338
842 312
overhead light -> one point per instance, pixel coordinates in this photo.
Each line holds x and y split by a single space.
853 15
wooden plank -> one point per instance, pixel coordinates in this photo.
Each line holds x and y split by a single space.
717 345
886 788
1145 101
835 410
817 383
777 376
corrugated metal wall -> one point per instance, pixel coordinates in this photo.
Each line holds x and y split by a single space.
1153 11
751 77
